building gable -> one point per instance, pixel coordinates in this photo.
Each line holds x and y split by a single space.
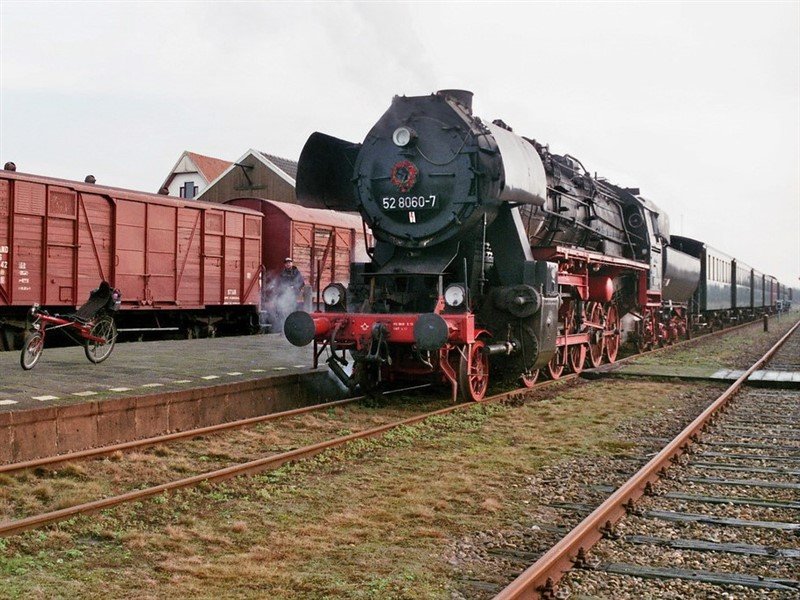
191 174
254 175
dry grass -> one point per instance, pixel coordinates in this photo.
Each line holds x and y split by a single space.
738 349
367 521
44 489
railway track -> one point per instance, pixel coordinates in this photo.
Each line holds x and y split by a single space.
717 506
98 452
250 467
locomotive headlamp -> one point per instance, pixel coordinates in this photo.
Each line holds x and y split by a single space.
403 136
333 294
455 295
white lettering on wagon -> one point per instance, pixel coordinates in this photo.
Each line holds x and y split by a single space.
3 249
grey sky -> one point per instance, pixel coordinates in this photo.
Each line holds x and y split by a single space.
697 104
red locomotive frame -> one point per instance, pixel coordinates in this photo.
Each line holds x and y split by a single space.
589 330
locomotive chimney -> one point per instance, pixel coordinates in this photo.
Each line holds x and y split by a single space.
463 97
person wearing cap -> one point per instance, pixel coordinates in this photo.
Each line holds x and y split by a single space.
291 277
289 287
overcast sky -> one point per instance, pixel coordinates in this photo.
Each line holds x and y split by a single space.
696 104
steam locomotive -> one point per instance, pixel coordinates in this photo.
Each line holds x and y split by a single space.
492 254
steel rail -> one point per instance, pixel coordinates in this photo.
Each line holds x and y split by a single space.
248 468
539 580
57 459
263 464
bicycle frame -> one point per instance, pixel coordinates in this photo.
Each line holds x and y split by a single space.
42 321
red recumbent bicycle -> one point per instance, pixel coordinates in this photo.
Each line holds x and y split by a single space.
92 326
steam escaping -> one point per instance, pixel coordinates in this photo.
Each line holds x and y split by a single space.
279 300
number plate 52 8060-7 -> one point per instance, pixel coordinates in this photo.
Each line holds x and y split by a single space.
408 202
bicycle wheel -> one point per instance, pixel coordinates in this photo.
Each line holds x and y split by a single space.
104 328
31 350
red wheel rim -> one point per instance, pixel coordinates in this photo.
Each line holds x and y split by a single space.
612 333
554 369
478 370
528 380
577 356
474 374
595 354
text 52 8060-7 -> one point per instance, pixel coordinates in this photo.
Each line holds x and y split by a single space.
408 202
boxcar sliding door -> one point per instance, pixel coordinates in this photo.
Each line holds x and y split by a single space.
26 267
95 241
188 257
130 242
234 234
62 246
160 273
213 234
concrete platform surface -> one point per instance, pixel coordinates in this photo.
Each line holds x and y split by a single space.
65 376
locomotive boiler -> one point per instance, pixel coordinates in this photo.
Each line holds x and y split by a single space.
491 253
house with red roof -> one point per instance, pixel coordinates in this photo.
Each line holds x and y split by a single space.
255 174
192 174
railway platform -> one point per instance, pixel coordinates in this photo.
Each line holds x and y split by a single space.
147 389
64 376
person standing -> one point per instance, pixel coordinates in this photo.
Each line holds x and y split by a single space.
290 286
291 277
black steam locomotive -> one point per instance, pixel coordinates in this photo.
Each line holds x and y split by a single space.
491 254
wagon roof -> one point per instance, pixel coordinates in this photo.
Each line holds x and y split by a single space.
123 193
319 216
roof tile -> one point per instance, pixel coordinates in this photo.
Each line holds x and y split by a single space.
284 164
210 167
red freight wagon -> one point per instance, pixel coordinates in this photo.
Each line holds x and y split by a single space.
180 264
322 244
